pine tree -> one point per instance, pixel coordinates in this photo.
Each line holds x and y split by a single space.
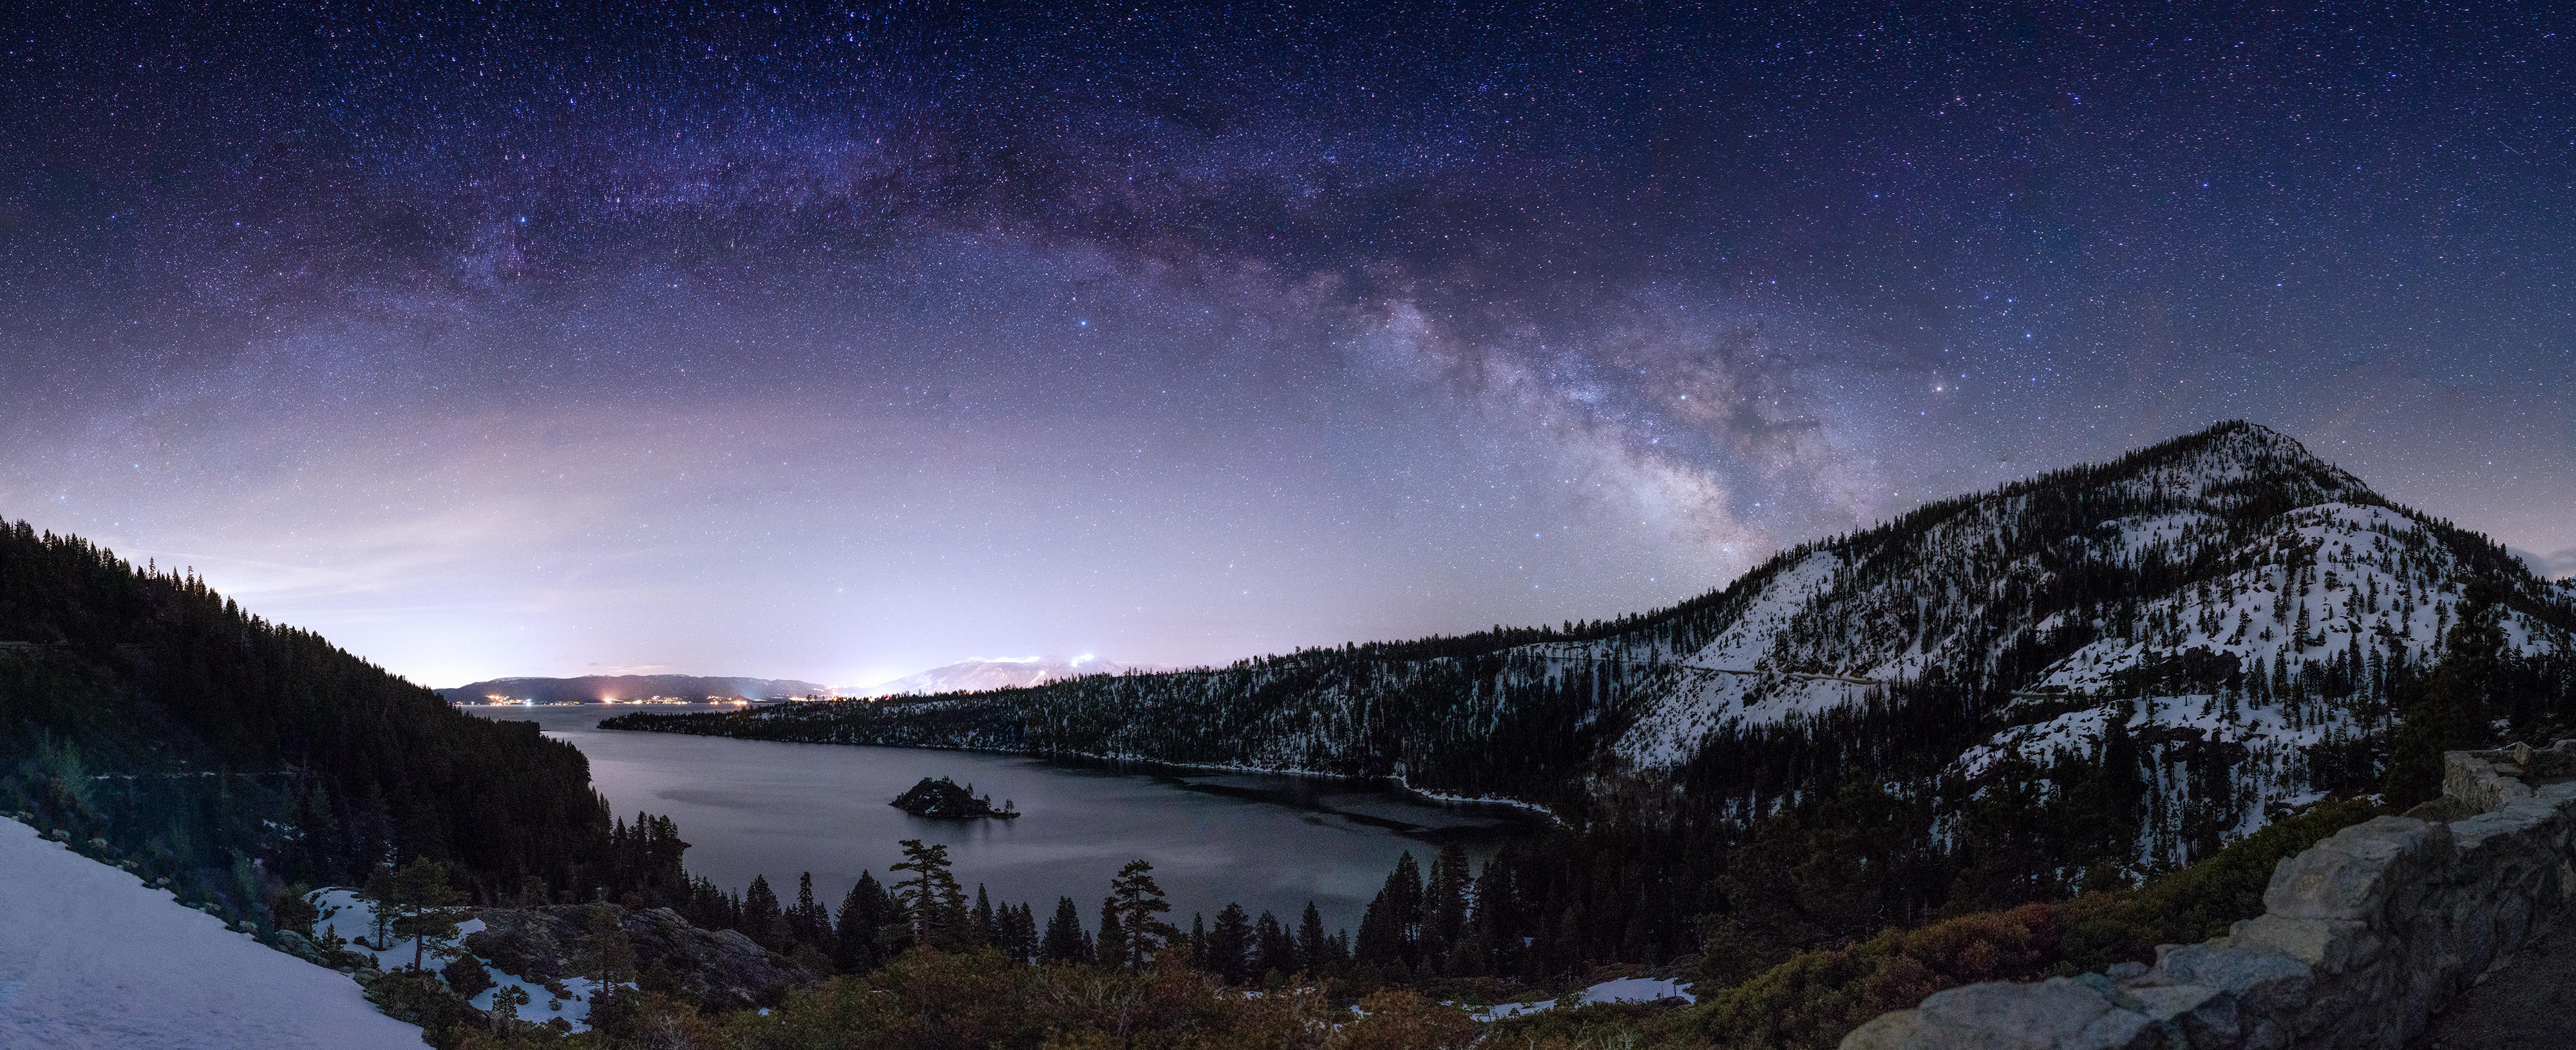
1274 949
865 913
762 919
1140 906
607 956
421 902
932 904
379 892
1391 929
807 924
986 928
1063 940
1315 950
1444 906
1112 949
506 1002
1020 933
1229 946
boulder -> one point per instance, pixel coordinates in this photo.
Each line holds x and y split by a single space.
2064 1013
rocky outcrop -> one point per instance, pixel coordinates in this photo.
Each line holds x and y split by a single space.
721 968
2362 937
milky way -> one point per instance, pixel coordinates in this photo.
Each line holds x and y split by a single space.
837 342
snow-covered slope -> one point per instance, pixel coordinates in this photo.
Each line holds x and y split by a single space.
2194 563
91 958
975 676
2230 594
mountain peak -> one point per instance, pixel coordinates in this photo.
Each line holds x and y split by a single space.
2234 470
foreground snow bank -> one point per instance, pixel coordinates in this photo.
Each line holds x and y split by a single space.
1624 990
90 958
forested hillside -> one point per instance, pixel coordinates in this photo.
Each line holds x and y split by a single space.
150 721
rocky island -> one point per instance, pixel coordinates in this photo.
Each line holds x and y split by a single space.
943 799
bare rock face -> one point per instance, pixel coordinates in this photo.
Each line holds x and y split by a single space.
721 968
2362 938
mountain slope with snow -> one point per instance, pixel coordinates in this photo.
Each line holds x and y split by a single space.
2238 609
91 958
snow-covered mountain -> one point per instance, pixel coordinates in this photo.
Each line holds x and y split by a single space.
975 676
2242 612
2192 552
2231 590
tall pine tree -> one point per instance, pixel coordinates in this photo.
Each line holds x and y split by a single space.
1391 929
1064 941
858 934
1140 906
1318 953
931 902
1229 946
762 919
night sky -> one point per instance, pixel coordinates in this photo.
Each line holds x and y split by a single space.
836 342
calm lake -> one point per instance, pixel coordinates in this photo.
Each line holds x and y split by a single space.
1272 843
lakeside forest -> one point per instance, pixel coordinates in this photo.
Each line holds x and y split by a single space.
155 725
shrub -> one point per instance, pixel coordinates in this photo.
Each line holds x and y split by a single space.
466 976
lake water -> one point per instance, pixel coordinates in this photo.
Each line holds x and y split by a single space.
1272 843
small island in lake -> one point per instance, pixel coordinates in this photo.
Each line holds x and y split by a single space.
943 799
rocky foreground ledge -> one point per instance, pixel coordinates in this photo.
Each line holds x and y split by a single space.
2363 936
719 967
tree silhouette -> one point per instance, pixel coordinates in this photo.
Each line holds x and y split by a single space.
1139 904
931 903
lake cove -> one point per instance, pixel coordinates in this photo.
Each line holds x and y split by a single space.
750 807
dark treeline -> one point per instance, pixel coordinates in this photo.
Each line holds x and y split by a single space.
922 904
153 723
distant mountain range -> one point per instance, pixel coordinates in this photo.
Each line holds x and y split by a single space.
975 676
970 676
630 687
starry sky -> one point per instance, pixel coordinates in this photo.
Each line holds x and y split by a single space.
837 342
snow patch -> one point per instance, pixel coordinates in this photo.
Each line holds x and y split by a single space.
1624 990
353 917
91 958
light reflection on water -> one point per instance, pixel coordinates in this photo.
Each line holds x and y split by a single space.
753 807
